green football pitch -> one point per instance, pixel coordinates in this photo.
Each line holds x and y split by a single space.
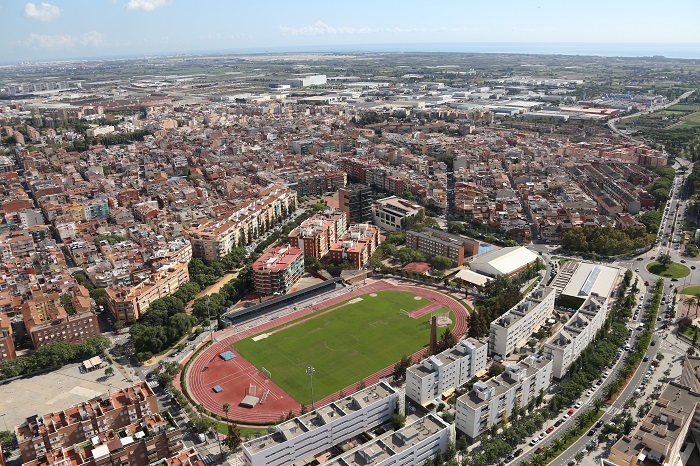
344 345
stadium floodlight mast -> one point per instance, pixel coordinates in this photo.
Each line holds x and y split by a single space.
310 370
211 328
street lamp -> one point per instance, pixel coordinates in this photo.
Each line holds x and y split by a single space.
310 370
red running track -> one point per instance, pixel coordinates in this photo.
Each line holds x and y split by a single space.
236 376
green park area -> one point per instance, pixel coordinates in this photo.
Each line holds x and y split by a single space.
354 340
690 290
672 270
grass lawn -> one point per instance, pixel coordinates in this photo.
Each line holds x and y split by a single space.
689 332
675 270
691 290
684 108
692 120
222 428
344 345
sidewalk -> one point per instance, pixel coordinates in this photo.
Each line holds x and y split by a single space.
671 352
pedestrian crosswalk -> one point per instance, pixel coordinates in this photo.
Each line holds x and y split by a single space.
613 410
153 383
209 460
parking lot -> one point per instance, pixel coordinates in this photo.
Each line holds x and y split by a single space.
54 391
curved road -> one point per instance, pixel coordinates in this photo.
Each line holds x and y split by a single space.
612 123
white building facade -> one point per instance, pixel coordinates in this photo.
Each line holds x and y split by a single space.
323 428
487 402
512 329
439 374
390 213
409 446
578 332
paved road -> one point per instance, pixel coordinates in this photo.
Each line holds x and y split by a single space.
612 124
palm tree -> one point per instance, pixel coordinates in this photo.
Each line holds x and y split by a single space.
226 408
598 404
690 301
697 303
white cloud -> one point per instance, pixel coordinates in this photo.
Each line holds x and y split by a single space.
43 12
145 5
320 28
92 38
49 42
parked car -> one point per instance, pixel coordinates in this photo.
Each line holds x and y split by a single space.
570 412
518 452
550 429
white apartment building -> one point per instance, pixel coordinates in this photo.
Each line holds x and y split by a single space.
318 430
486 403
512 330
409 446
578 331
440 374
391 213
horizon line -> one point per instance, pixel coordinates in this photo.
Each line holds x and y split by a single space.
634 50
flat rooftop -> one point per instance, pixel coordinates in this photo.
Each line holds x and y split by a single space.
321 416
446 357
661 427
590 279
503 383
392 444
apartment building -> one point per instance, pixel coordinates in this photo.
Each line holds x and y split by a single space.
356 246
323 428
512 330
276 271
432 242
129 303
41 434
212 240
667 435
487 402
577 332
151 439
7 345
356 201
317 234
690 377
410 445
393 213
321 182
54 324
440 374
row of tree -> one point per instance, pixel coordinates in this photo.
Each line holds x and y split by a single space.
165 323
53 355
527 420
499 295
607 241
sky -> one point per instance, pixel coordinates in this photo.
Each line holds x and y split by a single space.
61 29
